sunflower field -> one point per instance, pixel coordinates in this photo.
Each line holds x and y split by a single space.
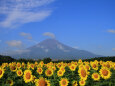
74 73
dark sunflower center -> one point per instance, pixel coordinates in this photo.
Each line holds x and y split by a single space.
0 72
28 75
83 72
105 72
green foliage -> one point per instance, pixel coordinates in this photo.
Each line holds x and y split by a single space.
47 60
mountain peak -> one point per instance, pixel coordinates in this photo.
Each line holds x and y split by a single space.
50 40
54 49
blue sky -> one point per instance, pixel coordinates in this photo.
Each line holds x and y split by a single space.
82 24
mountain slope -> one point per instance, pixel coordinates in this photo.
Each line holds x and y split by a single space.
53 49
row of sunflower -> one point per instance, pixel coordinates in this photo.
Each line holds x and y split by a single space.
75 73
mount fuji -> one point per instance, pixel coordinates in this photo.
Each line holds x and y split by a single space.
53 49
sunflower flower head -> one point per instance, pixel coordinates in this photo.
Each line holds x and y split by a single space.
63 82
105 73
42 82
27 76
1 72
96 76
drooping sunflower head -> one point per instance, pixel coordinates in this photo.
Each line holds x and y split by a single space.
42 82
96 76
105 73
63 82
27 76
49 72
1 72
19 72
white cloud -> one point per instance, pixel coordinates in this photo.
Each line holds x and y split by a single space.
22 51
49 34
46 50
113 49
26 35
111 31
19 12
76 47
14 43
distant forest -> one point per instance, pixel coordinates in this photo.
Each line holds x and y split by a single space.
8 59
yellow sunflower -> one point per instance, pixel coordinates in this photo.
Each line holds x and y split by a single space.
49 72
19 72
105 73
23 65
42 82
60 73
39 70
32 66
72 67
79 61
59 65
82 82
27 76
74 83
62 69
83 73
18 65
87 67
13 68
94 65
63 82
96 76
10 82
1 72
